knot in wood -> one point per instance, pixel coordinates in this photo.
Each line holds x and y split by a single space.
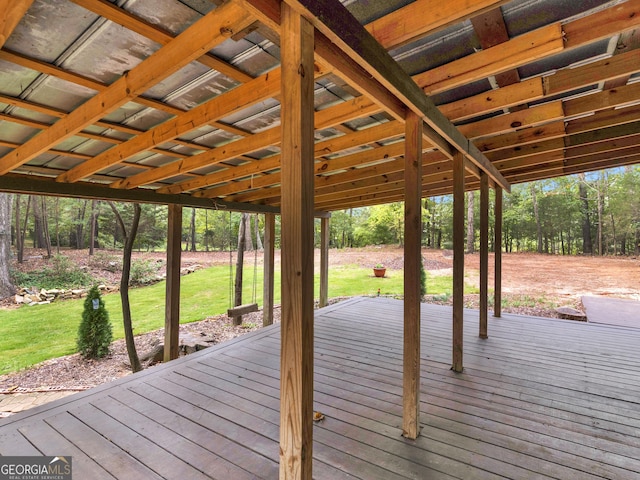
301 71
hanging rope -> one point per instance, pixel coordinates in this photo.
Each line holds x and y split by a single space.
230 265
255 265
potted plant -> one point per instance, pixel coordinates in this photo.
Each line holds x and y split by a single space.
379 270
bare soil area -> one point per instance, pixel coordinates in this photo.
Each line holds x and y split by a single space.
532 284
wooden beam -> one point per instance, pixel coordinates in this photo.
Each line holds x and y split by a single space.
324 262
458 262
484 255
269 271
412 261
30 184
423 17
146 29
256 90
172 298
11 12
355 108
296 360
518 51
497 273
331 17
210 30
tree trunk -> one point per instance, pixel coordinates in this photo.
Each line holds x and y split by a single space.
18 228
192 229
534 198
45 226
6 286
470 222
58 225
206 229
124 283
38 224
600 211
587 245
92 234
259 245
80 225
22 229
248 241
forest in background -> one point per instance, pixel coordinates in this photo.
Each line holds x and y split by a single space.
595 213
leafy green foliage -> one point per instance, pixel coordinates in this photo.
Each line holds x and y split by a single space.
60 273
423 279
144 272
94 333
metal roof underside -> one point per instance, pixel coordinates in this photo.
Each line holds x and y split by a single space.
543 88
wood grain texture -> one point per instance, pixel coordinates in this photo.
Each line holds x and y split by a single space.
324 262
458 263
484 255
497 273
189 45
172 297
296 361
412 262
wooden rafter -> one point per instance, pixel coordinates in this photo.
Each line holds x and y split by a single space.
211 30
247 94
128 20
330 17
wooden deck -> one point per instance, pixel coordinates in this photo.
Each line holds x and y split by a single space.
539 399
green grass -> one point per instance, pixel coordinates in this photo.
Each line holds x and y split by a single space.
29 335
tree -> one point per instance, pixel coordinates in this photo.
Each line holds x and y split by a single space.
587 246
6 286
124 282
470 222
94 333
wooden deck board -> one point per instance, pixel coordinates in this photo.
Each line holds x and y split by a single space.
539 398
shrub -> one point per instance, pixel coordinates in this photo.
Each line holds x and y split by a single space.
60 273
143 272
423 279
94 334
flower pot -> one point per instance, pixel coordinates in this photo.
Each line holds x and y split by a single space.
379 272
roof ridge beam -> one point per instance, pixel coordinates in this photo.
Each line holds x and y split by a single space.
332 19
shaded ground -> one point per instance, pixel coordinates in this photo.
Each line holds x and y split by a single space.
532 284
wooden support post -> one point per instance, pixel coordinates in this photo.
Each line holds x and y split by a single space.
324 261
497 273
484 254
458 260
297 157
172 298
269 249
412 260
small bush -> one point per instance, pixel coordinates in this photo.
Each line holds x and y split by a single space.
144 272
60 273
423 279
94 334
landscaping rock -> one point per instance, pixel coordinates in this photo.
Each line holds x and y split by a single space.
570 313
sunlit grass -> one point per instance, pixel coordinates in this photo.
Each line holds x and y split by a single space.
29 335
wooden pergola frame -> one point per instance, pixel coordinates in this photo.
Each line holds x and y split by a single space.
418 152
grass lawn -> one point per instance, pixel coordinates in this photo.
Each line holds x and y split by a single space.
29 335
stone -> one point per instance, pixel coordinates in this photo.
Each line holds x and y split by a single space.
19 299
570 313
153 356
